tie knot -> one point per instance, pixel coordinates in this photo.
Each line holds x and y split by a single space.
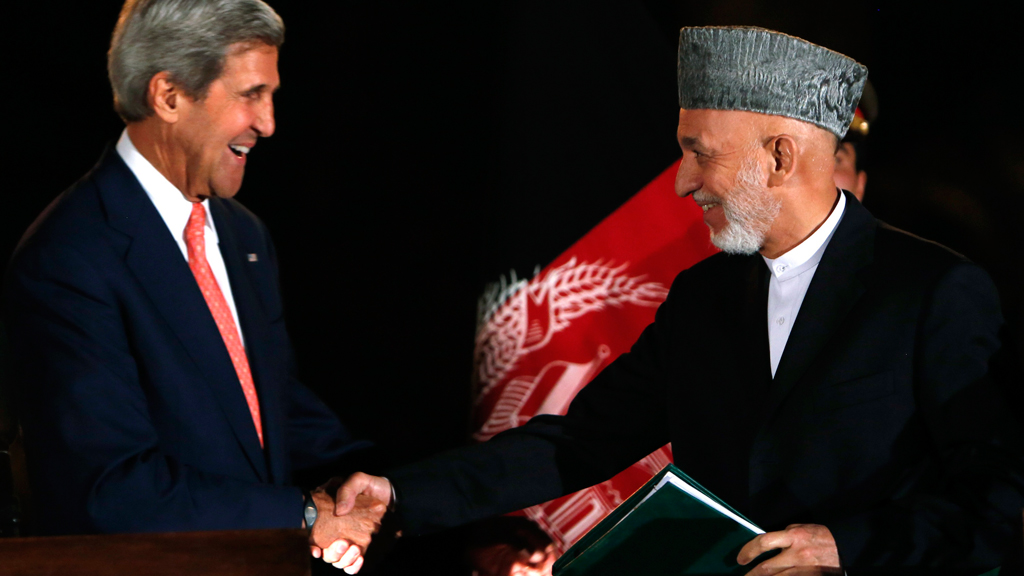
194 231
196 220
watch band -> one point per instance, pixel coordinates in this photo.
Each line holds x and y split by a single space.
309 511
393 505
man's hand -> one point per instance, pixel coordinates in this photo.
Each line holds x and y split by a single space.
359 483
342 539
806 549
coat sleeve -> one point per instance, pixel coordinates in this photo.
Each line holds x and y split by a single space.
964 510
95 459
614 421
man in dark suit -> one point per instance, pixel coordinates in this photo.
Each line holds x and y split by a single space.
831 377
155 379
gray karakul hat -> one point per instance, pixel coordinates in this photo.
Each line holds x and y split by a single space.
759 70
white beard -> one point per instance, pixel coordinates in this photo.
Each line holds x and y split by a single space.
750 211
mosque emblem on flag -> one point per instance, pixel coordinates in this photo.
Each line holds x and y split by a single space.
520 317
559 381
540 341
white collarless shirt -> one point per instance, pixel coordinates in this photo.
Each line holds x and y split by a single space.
791 275
175 210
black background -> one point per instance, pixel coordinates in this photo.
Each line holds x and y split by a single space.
423 149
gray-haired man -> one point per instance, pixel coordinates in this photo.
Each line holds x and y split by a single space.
153 371
831 377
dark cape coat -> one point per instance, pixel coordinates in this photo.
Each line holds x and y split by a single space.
883 422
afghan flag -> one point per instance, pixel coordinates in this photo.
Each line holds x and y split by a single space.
540 341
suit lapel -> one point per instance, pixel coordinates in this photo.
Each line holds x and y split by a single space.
156 261
837 285
754 318
254 321
752 365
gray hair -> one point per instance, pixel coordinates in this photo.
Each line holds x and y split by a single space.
189 39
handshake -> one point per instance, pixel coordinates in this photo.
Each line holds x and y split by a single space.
349 513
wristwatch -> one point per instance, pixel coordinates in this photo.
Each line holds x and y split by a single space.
309 509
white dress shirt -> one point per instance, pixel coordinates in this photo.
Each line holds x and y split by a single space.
175 211
791 275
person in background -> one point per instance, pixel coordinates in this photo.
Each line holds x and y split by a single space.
849 174
508 546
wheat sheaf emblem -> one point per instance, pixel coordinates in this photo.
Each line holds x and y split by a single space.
516 317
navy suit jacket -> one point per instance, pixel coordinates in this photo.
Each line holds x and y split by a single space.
133 416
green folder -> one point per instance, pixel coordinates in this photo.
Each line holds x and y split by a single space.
672 525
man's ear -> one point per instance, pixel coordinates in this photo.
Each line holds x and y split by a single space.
783 151
165 97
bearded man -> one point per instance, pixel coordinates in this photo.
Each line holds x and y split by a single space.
829 376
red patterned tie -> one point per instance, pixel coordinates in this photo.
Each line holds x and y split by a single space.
219 308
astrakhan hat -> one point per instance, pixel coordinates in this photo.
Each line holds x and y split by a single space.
759 70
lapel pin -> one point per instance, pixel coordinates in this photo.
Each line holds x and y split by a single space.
253 258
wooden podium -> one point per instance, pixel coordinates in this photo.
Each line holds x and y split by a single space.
231 553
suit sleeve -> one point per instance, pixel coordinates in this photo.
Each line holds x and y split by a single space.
99 465
616 420
964 510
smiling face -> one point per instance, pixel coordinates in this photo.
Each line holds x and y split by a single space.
720 168
215 134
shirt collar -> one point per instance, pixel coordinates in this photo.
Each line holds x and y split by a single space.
808 253
169 201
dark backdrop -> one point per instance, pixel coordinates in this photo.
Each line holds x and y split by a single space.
424 149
